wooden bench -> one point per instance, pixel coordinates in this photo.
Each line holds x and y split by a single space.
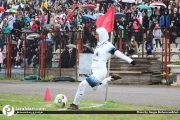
126 72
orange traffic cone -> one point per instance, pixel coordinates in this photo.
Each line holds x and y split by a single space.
47 96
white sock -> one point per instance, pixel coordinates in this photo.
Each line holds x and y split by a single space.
103 83
80 92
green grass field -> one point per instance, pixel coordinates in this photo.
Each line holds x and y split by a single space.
32 101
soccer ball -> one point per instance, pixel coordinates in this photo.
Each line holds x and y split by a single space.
60 100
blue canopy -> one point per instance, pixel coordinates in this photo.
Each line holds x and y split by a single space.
87 16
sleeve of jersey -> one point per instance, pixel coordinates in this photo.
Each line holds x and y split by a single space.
122 56
112 49
119 54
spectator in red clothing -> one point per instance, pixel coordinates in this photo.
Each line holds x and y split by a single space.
74 5
34 27
70 15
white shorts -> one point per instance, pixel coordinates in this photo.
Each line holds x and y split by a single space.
97 77
100 75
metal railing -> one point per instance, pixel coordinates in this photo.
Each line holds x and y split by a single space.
120 42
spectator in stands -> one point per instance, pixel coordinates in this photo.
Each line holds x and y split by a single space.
177 24
34 27
130 31
160 19
6 30
167 20
148 42
10 21
173 33
72 60
44 5
173 17
139 41
19 24
49 55
136 28
132 46
157 33
162 10
18 60
65 57
145 21
121 28
153 15
26 19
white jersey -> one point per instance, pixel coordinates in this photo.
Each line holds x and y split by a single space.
101 55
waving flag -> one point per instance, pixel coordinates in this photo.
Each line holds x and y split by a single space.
107 20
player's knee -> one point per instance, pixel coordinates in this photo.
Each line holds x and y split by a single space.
81 86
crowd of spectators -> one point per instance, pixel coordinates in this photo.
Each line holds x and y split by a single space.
67 15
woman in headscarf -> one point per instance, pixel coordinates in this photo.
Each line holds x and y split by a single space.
132 46
72 61
99 71
139 17
167 20
10 21
157 33
148 42
65 57
52 20
136 28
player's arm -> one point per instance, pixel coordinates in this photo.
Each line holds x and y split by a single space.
122 56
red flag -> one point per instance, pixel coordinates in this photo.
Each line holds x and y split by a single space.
107 20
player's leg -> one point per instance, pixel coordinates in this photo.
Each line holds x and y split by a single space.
90 81
79 94
107 80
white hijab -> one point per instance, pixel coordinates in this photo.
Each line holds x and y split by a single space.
103 34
